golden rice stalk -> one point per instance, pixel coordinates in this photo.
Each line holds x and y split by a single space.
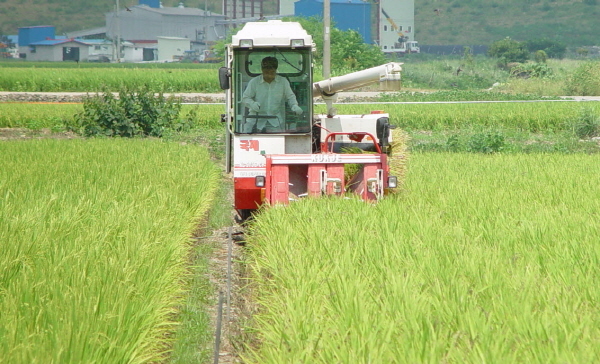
398 156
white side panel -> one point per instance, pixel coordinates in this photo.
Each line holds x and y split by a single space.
298 144
249 153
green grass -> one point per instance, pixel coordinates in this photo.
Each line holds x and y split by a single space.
481 259
430 73
95 247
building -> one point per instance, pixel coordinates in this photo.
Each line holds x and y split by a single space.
345 14
57 50
396 24
142 22
391 22
172 48
242 9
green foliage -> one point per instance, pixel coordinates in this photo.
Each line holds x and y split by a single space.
486 142
587 124
585 80
443 74
540 56
509 50
553 48
133 113
582 52
348 48
527 70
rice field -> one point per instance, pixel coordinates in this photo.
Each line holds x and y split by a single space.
481 259
98 79
530 116
95 241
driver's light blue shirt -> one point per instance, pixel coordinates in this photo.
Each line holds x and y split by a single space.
271 97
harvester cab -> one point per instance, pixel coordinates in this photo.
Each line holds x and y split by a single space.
276 148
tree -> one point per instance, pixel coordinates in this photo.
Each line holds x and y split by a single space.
553 49
509 50
348 49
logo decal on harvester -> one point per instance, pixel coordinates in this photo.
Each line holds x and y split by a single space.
249 144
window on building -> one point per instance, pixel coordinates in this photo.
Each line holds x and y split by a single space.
97 48
385 28
409 29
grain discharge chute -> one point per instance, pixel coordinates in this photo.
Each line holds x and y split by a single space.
276 148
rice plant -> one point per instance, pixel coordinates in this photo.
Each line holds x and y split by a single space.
484 258
95 242
98 79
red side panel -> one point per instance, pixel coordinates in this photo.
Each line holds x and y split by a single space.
247 195
335 172
369 172
279 191
314 179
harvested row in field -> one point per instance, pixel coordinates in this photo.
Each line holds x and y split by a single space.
481 259
95 238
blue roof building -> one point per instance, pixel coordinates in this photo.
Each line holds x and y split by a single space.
345 14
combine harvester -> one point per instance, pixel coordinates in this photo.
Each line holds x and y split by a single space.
300 154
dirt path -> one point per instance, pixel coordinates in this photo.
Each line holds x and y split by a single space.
76 97
227 276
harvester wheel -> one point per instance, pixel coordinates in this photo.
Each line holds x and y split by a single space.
243 215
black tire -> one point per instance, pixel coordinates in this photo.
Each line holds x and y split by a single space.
244 215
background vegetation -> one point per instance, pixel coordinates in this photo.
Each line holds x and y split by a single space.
463 22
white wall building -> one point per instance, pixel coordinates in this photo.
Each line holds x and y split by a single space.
401 22
143 22
172 48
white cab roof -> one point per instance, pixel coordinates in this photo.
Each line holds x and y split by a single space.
272 33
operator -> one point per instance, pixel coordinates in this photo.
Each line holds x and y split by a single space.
266 95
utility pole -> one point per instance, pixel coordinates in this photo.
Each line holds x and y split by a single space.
118 33
326 40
